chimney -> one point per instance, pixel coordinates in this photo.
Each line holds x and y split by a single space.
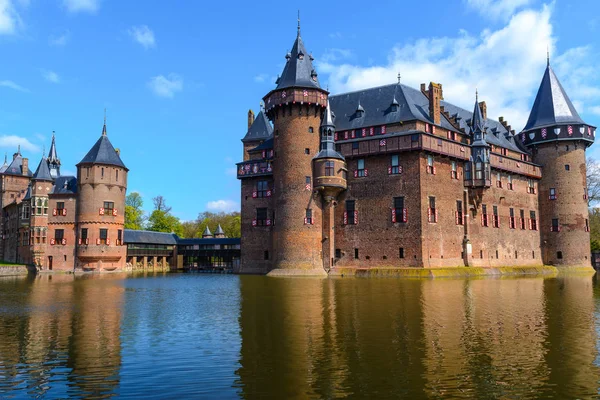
424 89
483 108
25 166
250 118
435 95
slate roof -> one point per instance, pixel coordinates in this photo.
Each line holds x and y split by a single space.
27 193
16 166
298 70
208 241
412 105
52 154
42 173
266 145
552 106
4 166
103 152
133 236
260 129
219 230
206 232
65 185
329 150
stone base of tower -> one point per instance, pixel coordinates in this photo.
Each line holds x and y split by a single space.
298 269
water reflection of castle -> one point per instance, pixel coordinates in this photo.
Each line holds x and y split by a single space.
417 339
71 326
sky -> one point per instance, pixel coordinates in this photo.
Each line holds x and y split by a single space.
177 78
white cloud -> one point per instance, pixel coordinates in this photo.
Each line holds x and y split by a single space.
143 35
497 9
332 55
50 76
166 86
9 18
506 69
13 141
222 205
13 85
75 6
60 40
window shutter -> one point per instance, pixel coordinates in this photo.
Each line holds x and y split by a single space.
364 132
64 212
433 128
345 217
436 215
356 173
52 242
456 217
269 193
87 241
107 241
530 223
114 212
429 215
405 215
433 170
254 194
335 136
383 129
389 170
399 169
355 217
371 131
268 222
79 242
366 172
101 211
482 221
393 215
427 128
54 213
98 241
64 242
254 223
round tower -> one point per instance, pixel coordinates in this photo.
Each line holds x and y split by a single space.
102 185
558 138
295 107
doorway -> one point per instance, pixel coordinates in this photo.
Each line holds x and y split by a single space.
50 263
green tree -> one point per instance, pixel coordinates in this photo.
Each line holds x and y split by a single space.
134 215
161 221
230 222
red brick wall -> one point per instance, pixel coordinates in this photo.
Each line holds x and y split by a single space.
58 251
255 239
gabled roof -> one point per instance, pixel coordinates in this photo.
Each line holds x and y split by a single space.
42 173
65 185
552 106
103 152
298 70
16 166
260 129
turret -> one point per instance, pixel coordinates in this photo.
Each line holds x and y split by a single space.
477 170
219 233
53 160
295 107
207 234
102 186
329 166
259 130
558 137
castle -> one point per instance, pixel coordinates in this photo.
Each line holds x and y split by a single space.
393 176
67 223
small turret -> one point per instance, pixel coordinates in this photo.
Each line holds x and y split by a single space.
219 233
329 166
53 160
478 171
207 234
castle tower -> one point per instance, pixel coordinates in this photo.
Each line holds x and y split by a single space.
53 160
207 234
329 176
219 233
558 138
478 169
295 107
41 186
102 185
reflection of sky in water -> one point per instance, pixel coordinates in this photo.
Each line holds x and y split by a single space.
218 336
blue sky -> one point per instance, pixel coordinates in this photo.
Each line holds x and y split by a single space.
177 79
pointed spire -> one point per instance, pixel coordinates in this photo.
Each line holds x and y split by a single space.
104 127
399 77
42 173
298 23
477 123
19 149
207 233
5 158
327 118
548 56
52 154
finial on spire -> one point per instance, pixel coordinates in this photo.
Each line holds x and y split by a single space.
547 56
262 105
476 95
5 158
104 127
298 22
43 151
19 149
399 77
53 132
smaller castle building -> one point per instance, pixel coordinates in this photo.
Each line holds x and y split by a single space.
68 223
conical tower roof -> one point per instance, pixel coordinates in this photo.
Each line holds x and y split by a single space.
103 152
206 232
219 230
477 123
260 129
5 165
327 143
298 70
52 154
328 117
42 173
552 106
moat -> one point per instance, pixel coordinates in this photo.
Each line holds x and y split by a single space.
227 336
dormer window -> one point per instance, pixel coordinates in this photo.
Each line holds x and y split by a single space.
301 56
360 111
394 106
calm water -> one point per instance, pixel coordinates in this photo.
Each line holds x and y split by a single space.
217 336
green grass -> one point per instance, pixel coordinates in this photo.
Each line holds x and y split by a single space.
10 264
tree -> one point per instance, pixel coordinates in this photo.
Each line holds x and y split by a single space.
161 221
160 204
593 180
230 222
134 215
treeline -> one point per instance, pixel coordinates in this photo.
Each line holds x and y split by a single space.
161 219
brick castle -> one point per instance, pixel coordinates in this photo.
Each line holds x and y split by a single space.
394 176
61 222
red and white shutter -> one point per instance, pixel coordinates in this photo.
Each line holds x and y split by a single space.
433 168
405 215
436 215
268 222
427 128
399 169
305 221
345 217
366 172
356 173
64 242
52 242
54 212
456 217
393 215
101 211
389 170
108 241
64 212
355 217
269 193
433 128
98 241
79 242
371 131
114 212
383 129
87 241
429 215
482 220
530 223
254 194
254 222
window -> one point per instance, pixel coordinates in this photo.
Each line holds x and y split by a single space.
261 188
310 129
338 253
261 216
499 180
84 235
102 173
530 186
587 225
308 219
108 207
522 218
511 219
459 213
567 167
467 167
510 182
559 255
329 168
59 235
60 205
496 217
484 215
430 167
432 215
355 146
360 168
532 221
555 226
350 213
103 236
395 164
552 195
453 170
479 170
414 140
25 211
401 252
119 236
356 254
399 211
307 151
